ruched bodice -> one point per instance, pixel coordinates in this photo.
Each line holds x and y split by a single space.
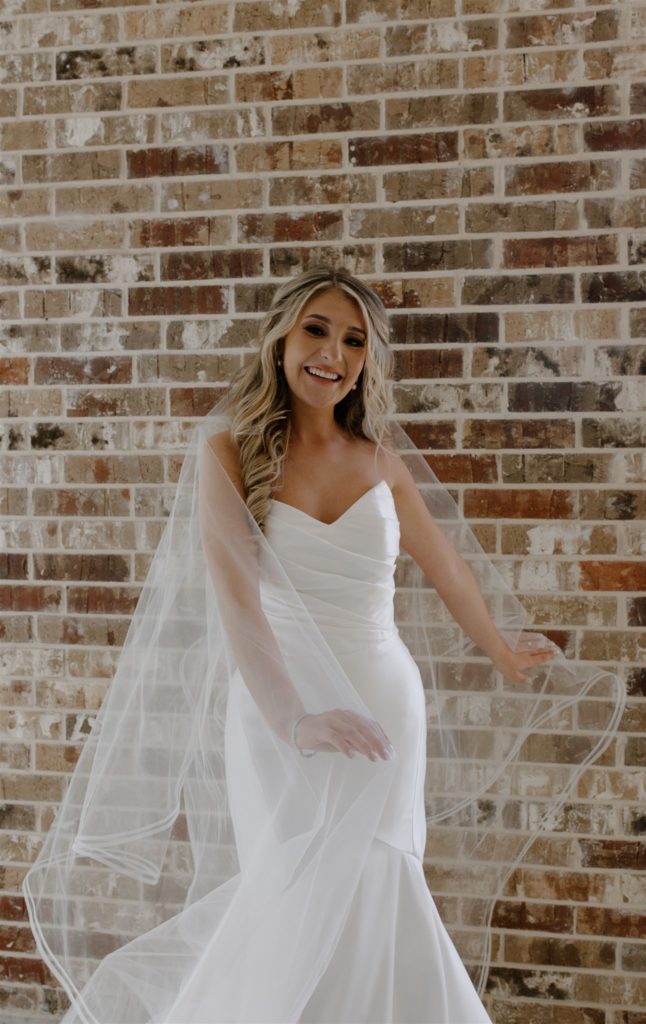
344 570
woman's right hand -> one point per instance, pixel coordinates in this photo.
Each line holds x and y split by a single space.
344 731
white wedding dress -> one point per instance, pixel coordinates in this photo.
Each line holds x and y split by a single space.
394 962
245 948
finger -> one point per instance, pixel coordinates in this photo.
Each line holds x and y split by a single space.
363 744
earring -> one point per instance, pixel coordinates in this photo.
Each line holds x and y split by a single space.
353 387
280 362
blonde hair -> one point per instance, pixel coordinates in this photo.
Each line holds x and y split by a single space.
258 397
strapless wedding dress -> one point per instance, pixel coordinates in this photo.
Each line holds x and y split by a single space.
394 962
245 949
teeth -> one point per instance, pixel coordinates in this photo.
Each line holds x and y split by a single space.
322 373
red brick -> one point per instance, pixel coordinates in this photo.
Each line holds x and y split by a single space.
177 161
613 575
519 504
607 921
431 435
543 917
191 266
518 433
30 598
614 135
80 370
172 301
290 227
464 469
564 176
431 147
427 363
193 401
14 370
81 567
563 251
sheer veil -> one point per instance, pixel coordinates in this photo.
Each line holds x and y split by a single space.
165 861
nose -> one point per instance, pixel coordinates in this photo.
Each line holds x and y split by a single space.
332 345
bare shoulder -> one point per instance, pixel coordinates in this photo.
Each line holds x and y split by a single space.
391 465
227 452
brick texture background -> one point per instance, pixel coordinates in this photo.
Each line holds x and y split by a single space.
481 164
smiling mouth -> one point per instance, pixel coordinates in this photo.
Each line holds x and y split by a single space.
318 375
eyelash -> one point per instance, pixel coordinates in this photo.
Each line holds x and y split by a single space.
359 342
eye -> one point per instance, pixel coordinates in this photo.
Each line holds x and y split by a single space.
356 342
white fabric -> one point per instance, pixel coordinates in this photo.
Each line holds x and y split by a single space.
201 871
394 961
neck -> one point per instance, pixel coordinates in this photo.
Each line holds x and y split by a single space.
312 427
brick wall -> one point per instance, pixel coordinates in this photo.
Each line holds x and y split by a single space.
162 167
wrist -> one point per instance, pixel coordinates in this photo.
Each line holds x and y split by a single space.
295 743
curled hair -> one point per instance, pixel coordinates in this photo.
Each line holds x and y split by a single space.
258 400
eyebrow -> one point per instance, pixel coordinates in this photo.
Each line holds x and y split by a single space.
319 316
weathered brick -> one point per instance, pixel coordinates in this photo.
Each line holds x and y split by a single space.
401 76
559 29
210 53
449 183
189 231
325 117
336 189
177 161
288 154
570 176
14 371
289 227
115 401
465 36
106 199
81 567
152 24
264 15
201 265
518 503
606 921
555 215
525 916
517 290
219 195
562 251
71 166
433 147
613 575
445 255
57 99
610 286
427 363
561 104
559 396
72 235
614 135
171 300
302 83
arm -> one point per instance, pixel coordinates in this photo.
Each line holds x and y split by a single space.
454 581
230 548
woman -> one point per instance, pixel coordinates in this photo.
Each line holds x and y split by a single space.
215 859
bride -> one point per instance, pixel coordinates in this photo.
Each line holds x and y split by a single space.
245 835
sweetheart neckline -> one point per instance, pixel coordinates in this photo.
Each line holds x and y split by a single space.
276 501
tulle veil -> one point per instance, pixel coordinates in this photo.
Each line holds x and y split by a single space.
163 866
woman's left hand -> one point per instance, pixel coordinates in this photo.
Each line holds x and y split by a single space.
532 649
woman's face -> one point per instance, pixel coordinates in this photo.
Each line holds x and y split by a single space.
330 336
